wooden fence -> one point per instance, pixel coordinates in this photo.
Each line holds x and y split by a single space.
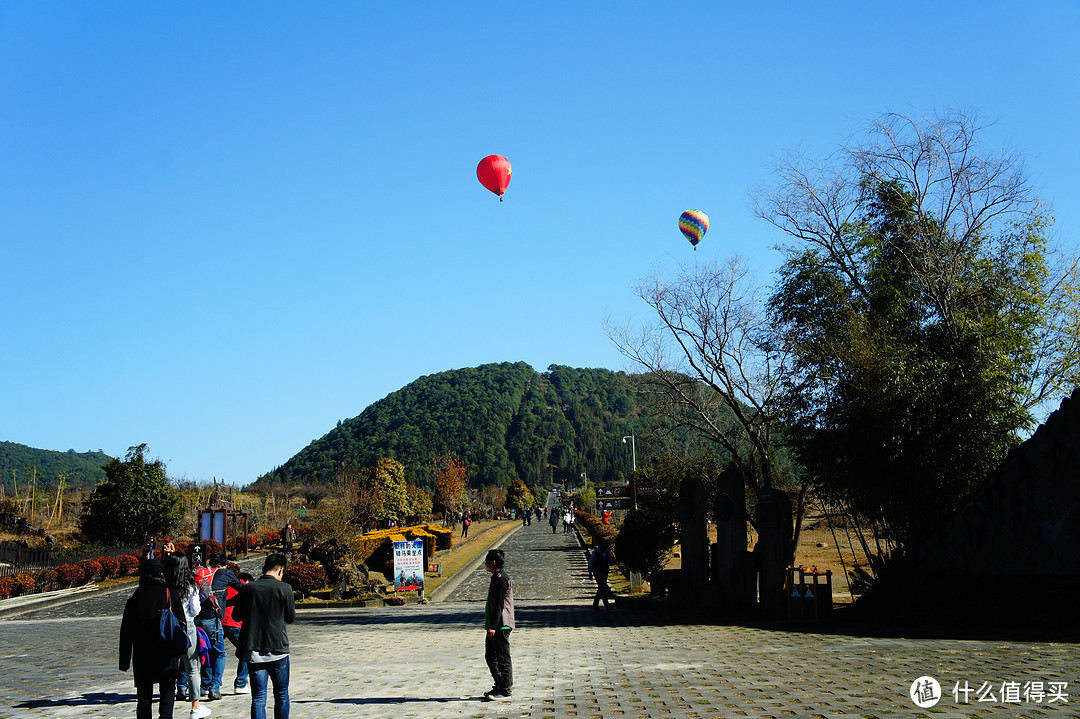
20 560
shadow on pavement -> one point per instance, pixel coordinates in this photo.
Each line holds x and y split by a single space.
88 699
385 700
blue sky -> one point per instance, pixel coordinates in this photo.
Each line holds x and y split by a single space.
225 227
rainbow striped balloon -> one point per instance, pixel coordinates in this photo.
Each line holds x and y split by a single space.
694 224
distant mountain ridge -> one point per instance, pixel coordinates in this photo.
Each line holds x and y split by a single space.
20 463
504 420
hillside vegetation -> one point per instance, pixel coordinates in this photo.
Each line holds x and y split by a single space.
78 469
504 420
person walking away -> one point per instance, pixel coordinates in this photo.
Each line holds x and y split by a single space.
141 646
498 623
288 536
181 582
150 549
263 608
599 567
231 628
214 582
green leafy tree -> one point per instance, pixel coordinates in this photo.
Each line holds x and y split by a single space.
519 496
420 504
928 315
135 501
383 495
645 540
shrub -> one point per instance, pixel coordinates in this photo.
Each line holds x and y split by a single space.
595 528
21 584
71 574
129 563
645 541
182 547
252 541
305 578
110 566
5 588
268 537
91 567
44 578
211 546
305 532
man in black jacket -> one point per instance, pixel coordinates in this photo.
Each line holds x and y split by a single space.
264 607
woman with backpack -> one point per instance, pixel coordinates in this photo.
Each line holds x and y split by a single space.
181 580
141 644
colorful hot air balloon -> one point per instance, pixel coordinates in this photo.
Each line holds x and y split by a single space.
694 224
494 174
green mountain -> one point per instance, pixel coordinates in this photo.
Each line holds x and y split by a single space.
504 420
19 463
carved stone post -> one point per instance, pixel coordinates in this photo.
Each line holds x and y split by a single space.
694 535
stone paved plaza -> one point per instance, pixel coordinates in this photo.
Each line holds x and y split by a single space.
569 661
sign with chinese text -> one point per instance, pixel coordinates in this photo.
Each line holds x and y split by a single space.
409 565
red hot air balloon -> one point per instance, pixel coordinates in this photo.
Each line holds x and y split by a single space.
494 174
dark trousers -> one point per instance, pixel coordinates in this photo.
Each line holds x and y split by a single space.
497 654
144 693
603 591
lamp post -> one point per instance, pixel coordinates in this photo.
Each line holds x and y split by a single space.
633 449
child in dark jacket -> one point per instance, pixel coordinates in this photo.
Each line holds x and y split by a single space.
499 622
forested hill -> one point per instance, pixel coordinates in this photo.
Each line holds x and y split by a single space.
79 469
504 420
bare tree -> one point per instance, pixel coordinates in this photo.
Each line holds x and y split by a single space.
710 365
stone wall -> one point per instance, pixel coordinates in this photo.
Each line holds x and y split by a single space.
1024 520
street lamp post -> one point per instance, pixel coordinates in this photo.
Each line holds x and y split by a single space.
633 449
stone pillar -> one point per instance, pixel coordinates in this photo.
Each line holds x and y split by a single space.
730 558
773 551
694 538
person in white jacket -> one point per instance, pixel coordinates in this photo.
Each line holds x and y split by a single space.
180 579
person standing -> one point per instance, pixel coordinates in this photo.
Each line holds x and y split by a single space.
167 549
140 643
214 582
263 608
553 520
231 628
498 623
288 536
466 520
181 581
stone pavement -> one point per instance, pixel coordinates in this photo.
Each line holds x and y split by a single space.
569 661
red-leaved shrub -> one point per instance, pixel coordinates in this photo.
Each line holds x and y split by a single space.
5 588
21 584
129 563
70 574
305 578
110 566
91 568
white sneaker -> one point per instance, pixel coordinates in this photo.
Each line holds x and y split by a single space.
200 713
242 690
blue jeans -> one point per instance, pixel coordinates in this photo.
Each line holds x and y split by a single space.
233 635
216 668
278 673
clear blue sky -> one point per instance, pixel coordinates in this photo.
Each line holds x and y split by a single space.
227 226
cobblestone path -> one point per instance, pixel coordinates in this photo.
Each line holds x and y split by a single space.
569 661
